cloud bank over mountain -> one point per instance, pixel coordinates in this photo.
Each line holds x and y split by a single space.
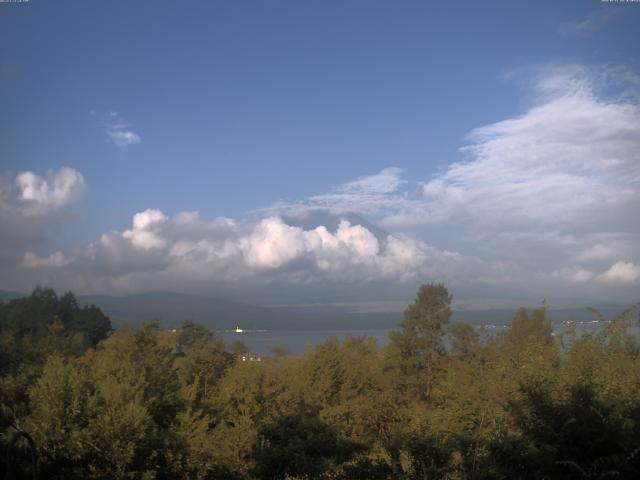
547 198
162 251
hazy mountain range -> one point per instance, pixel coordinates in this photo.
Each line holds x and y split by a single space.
172 308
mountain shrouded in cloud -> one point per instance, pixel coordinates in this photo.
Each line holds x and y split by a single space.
545 198
159 252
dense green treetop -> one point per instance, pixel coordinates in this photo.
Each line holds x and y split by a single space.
34 315
440 401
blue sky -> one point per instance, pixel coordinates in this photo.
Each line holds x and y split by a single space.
227 108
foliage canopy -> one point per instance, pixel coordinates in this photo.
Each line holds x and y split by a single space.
440 401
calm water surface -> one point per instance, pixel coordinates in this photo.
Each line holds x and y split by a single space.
299 341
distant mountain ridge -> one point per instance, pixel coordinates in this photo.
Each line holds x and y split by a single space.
172 308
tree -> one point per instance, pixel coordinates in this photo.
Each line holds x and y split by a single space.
192 333
203 363
530 326
465 341
514 406
249 395
31 317
419 342
298 445
61 409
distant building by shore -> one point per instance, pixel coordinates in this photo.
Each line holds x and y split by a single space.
249 357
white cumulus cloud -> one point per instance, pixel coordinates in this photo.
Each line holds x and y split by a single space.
31 206
145 232
38 195
621 273
162 251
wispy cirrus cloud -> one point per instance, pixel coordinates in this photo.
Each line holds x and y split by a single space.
596 20
374 194
574 157
119 132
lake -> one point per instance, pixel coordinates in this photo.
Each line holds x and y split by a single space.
298 341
